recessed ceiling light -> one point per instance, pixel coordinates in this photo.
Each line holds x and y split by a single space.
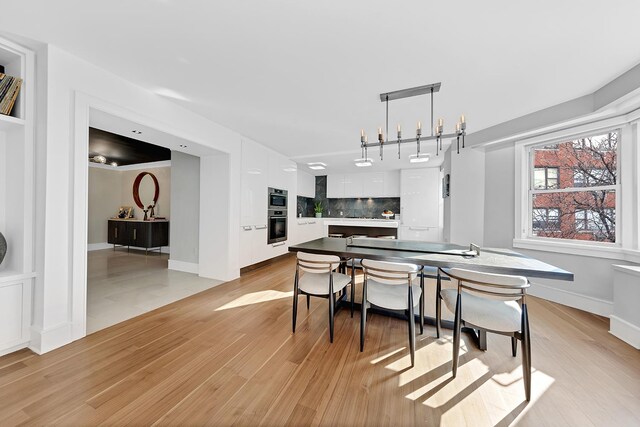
362 163
114 164
290 169
137 132
254 171
317 165
414 158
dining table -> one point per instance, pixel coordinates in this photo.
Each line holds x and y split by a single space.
435 257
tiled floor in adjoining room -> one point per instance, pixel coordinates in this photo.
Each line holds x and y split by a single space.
122 285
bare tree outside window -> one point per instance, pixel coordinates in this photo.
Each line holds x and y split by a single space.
584 196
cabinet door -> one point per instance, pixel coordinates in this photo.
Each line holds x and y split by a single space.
306 184
255 174
423 234
419 202
316 229
335 186
159 234
392 184
246 246
138 234
277 173
353 185
373 184
117 233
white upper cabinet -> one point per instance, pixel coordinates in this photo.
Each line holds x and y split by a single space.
392 184
373 184
368 184
419 198
335 186
306 184
278 164
353 185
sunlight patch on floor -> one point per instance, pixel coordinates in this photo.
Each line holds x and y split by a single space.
381 358
256 298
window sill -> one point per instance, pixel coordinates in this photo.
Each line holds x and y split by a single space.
572 248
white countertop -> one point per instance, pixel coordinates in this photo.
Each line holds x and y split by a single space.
354 222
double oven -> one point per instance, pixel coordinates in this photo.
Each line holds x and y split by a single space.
277 216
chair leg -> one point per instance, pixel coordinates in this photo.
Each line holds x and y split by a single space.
353 286
438 305
363 314
457 326
422 304
514 346
295 301
412 328
308 301
526 353
332 303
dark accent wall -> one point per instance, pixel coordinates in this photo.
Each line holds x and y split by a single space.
344 208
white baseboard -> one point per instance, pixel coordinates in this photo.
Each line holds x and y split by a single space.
627 332
583 302
14 348
105 245
99 246
49 339
187 267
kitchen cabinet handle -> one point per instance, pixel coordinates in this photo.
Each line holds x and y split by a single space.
420 228
134 234
277 244
262 227
311 222
246 228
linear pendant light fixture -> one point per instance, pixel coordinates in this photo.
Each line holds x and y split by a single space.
436 131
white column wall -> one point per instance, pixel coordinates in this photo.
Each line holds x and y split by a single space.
56 306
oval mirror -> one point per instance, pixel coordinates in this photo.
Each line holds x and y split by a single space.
146 190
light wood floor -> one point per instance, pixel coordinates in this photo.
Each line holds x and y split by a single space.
227 356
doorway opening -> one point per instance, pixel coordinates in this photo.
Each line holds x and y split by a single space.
142 221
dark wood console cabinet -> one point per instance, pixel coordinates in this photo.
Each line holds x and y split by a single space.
139 234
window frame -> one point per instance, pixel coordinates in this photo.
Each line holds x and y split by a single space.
627 246
531 191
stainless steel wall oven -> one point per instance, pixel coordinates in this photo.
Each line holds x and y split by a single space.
277 216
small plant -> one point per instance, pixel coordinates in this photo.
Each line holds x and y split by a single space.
318 208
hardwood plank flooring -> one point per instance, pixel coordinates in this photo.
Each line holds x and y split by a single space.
226 356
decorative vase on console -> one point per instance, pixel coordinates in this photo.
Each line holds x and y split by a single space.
3 247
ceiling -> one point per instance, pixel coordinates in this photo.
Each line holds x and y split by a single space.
304 77
124 151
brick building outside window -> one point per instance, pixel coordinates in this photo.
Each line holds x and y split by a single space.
573 189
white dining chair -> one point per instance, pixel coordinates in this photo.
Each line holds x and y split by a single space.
493 303
316 276
392 286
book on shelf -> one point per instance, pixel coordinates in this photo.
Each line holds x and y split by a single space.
9 90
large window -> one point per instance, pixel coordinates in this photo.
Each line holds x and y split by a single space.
572 189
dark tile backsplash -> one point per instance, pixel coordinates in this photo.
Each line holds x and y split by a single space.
336 208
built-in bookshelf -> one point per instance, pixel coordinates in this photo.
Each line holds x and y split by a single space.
17 187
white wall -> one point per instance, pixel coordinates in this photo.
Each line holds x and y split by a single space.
73 87
466 202
105 197
185 216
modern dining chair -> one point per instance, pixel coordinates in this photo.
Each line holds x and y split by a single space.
319 279
491 303
392 286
